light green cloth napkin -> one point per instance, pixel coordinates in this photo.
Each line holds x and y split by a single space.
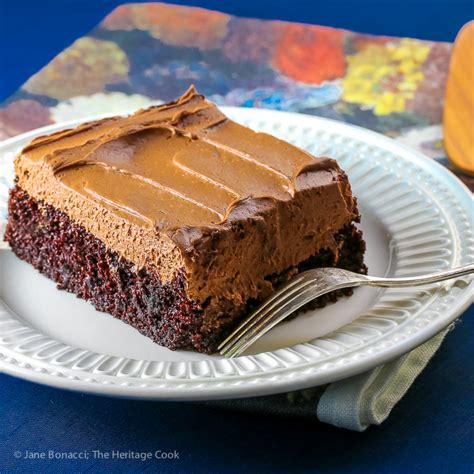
367 399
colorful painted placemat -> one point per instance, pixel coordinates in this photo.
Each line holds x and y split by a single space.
142 54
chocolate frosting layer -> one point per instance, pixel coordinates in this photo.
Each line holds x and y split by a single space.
180 187
177 164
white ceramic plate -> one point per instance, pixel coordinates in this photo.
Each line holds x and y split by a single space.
416 217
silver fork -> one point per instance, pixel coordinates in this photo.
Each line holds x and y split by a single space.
307 286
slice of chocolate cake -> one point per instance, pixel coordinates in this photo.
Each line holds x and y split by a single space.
177 220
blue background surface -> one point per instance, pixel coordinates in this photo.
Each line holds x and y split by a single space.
431 430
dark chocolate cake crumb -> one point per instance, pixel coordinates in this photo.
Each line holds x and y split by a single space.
80 263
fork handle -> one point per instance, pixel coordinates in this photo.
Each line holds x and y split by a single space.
419 280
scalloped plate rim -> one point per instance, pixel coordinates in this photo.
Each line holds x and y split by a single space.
221 388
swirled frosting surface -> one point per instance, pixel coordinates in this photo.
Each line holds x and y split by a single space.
182 163
181 188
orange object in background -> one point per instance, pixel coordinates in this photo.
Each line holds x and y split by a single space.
458 119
